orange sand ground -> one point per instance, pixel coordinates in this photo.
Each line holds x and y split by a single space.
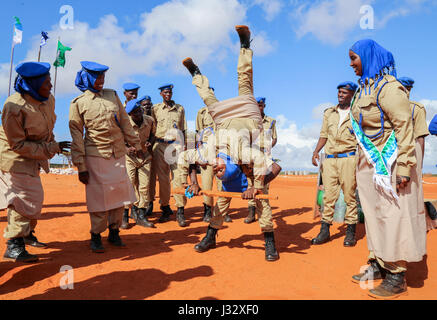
161 263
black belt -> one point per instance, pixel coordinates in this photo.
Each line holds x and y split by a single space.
165 141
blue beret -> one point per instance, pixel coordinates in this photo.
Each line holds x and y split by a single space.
33 69
94 66
261 99
433 125
145 98
406 82
348 85
132 105
130 86
166 86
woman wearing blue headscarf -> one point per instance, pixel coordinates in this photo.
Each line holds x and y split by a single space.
99 126
386 173
26 144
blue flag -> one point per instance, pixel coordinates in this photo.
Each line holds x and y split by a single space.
44 38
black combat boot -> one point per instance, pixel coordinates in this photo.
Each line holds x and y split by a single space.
31 240
373 272
391 287
149 210
207 214
114 237
16 251
134 212
96 243
166 213
125 221
142 219
227 218
180 217
192 68
244 33
323 236
349 240
251 216
208 241
271 252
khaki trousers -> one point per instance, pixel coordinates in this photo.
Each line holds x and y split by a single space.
140 179
340 173
393 267
221 208
18 226
101 220
207 175
162 170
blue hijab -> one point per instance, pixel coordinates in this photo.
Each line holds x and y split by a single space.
375 60
30 86
85 80
234 180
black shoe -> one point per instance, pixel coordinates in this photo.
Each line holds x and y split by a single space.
244 33
251 216
391 287
323 236
432 212
373 272
134 212
149 210
114 238
125 221
16 251
208 241
349 240
31 240
142 219
207 213
228 218
166 213
271 252
192 68
180 217
96 243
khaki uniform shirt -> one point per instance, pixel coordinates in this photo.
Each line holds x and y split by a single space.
394 102
340 139
107 127
26 136
269 133
144 132
203 121
169 120
418 114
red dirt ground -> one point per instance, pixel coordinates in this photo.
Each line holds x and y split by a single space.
162 264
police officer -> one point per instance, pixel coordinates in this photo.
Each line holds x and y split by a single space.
267 140
146 105
139 170
130 91
339 166
99 154
26 144
171 127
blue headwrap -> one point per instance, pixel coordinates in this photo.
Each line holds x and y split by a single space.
30 77
234 180
86 77
433 125
375 60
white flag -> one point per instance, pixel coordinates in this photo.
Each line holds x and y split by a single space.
18 32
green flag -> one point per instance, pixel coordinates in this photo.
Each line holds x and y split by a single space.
60 59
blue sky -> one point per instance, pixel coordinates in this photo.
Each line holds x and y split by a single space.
301 53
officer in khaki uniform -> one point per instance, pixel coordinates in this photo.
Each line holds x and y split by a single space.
267 140
100 127
130 92
205 129
238 122
339 166
26 144
171 127
139 170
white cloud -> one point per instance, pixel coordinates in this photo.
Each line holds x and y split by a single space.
201 29
328 21
271 8
320 110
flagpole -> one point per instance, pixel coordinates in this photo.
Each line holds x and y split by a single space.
56 68
10 71
39 54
